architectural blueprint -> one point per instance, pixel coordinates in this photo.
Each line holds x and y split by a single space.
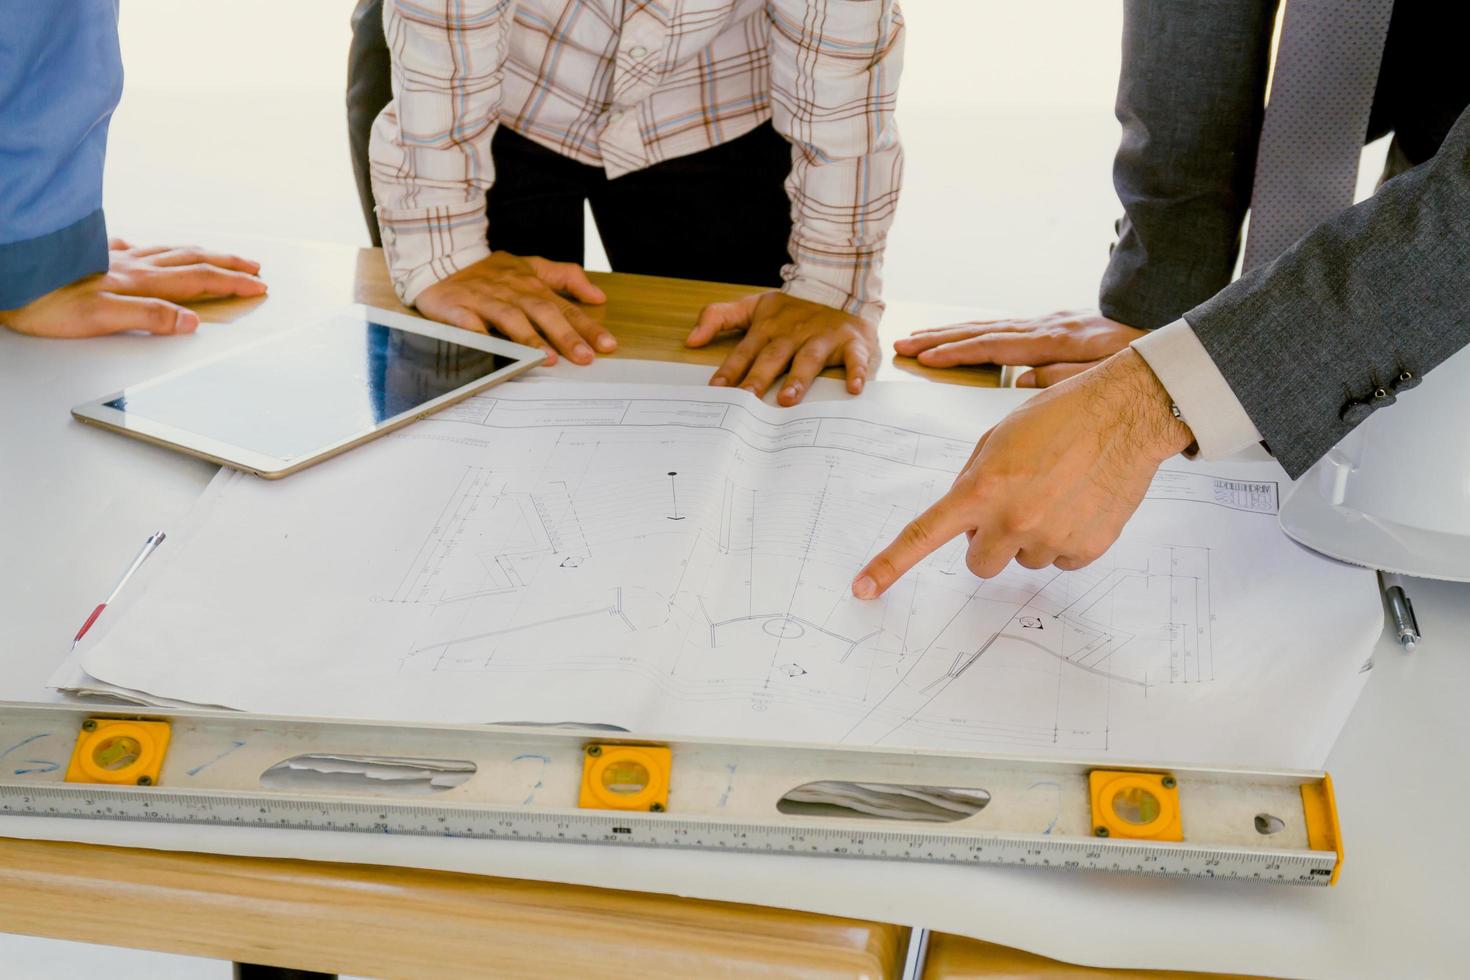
677 560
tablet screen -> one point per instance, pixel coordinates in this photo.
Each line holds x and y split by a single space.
304 390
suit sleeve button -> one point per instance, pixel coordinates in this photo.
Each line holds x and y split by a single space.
1405 381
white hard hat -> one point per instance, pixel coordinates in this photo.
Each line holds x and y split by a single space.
1395 493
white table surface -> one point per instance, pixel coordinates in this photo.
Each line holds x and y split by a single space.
76 503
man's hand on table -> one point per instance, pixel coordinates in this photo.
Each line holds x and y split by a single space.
1053 483
526 300
139 291
787 336
1056 346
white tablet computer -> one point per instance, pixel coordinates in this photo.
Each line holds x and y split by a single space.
298 396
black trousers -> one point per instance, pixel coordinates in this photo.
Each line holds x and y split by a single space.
721 214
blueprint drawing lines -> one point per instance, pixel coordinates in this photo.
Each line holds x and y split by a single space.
679 561
713 561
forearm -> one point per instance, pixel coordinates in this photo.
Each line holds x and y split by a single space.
835 68
1190 101
1381 290
33 267
60 77
1195 385
430 148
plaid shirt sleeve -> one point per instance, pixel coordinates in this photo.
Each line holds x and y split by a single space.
835 67
430 148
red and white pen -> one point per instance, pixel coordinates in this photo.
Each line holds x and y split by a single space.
154 540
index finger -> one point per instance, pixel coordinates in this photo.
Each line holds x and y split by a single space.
1003 322
567 277
718 317
1000 347
182 283
969 328
921 537
194 256
913 346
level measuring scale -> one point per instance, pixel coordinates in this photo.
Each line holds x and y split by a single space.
565 787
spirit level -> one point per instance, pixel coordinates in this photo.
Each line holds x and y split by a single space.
209 768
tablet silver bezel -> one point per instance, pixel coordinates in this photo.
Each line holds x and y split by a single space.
270 467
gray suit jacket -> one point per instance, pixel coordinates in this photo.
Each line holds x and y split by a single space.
1380 290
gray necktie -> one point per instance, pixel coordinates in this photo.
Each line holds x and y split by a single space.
1312 138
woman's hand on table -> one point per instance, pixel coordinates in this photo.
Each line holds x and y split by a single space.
141 290
1055 346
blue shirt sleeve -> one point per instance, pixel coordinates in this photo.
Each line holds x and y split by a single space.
60 79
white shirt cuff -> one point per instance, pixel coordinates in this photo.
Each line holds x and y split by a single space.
1219 422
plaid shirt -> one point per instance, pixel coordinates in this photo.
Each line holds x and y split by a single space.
623 84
